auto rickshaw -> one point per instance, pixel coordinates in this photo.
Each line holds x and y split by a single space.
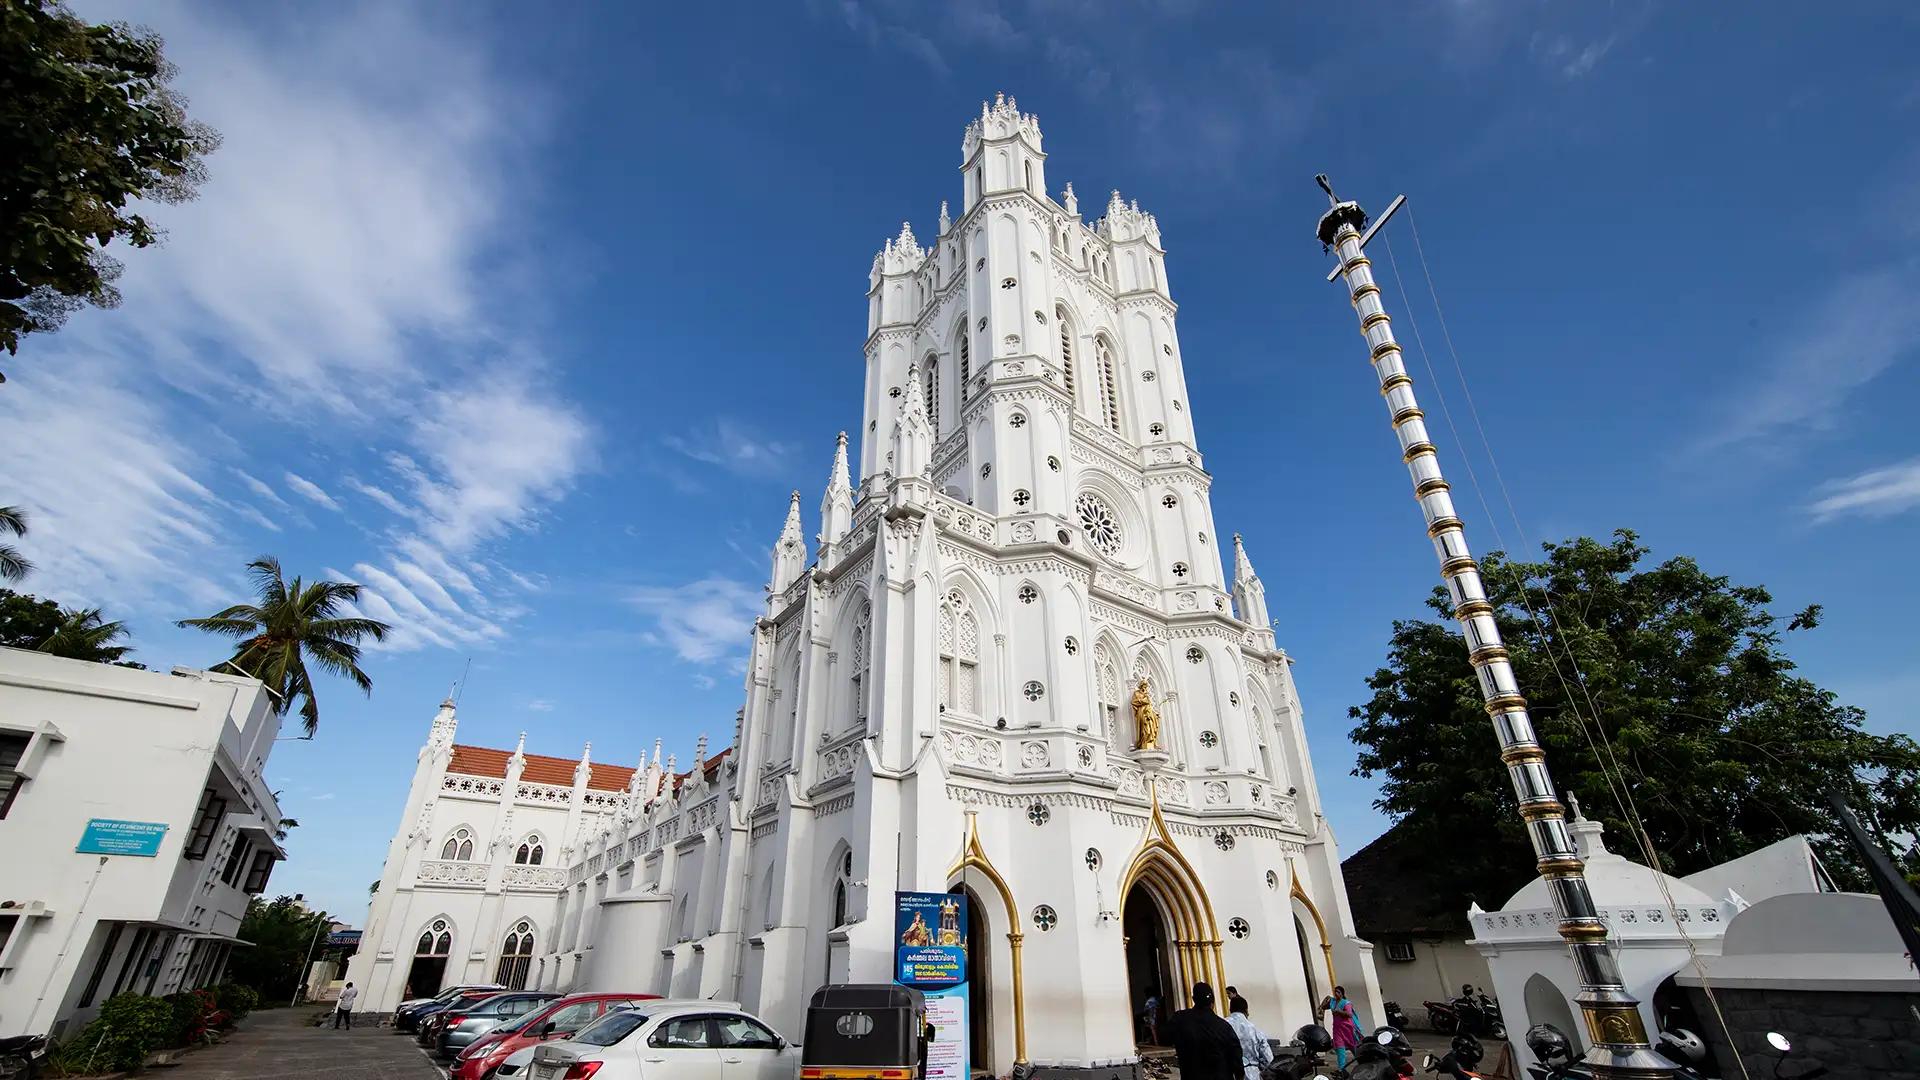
865 1031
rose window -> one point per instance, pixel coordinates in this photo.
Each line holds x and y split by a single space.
1169 501
1209 740
1180 570
1273 880
1223 840
1022 497
1028 594
1093 858
1194 655
1053 463
1238 927
1033 690
1039 814
1146 376
1098 522
1045 917
1233 698
1073 647
1018 420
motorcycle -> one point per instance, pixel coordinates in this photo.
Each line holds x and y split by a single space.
1304 1061
1460 1059
1469 1014
1384 1055
22 1056
1396 1016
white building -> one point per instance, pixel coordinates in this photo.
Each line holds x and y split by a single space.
467 892
1657 924
180 752
938 696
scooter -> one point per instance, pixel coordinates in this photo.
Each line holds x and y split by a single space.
1396 1016
1385 1055
22 1056
1469 1014
1305 1062
1459 1060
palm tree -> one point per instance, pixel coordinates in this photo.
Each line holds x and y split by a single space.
13 565
81 635
291 624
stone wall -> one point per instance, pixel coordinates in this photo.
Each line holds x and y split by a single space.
1857 1036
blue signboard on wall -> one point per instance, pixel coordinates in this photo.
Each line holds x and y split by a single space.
105 836
930 934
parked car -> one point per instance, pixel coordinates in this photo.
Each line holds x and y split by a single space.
433 1023
488 1055
407 1016
517 1063
678 1040
457 1032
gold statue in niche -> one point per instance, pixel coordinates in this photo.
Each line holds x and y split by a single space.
1146 719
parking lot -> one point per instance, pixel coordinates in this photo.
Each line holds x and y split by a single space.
284 1043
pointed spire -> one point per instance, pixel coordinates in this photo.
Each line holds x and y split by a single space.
1071 201
585 768
912 434
520 748
700 751
836 508
1249 595
790 551
945 221
445 725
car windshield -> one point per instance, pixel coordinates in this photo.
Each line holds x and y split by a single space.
612 1027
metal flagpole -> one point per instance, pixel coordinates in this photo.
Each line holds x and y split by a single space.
1619 1049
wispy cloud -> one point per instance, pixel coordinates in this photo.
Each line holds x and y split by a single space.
1566 55
311 491
1854 331
1877 493
701 621
732 446
332 269
540 705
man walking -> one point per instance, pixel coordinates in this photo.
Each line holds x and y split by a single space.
343 1009
1256 1052
1205 1044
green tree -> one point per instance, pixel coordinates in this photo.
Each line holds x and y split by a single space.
282 932
89 122
1718 743
82 635
13 565
28 622
292 624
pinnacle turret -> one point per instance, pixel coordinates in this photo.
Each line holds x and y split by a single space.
1249 595
912 434
836 508
790 551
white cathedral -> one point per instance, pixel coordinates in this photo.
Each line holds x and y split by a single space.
948 695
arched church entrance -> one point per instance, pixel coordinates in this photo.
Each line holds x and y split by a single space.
429 965
979 983
1306 963
1144 932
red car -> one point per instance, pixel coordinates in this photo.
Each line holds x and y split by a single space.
555 1020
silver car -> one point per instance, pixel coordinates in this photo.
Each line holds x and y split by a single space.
488 1014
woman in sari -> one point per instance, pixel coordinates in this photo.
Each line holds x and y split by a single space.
1346 1029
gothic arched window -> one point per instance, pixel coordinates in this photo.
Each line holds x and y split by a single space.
932 388
531 852
459 846
1066 348
959 656
1106 673
862 634
516 956
435 940
1109 388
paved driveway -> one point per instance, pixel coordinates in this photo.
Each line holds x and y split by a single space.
283 1043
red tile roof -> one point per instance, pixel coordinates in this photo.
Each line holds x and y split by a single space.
539 769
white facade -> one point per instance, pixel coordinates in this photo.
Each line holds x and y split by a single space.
938 698
1656 924
467 891
81 740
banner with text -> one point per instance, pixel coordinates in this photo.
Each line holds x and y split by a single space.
930 935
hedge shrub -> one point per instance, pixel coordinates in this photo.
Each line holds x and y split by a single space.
236 1000
129 1027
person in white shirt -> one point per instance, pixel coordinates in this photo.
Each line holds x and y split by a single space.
343 1009
1256 1053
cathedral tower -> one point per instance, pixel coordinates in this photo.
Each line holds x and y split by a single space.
1016 667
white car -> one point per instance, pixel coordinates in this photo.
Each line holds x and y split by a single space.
677 1040
517 1062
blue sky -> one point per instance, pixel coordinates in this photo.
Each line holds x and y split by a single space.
530 326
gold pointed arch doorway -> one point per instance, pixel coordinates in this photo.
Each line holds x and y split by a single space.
974 857
1170 883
